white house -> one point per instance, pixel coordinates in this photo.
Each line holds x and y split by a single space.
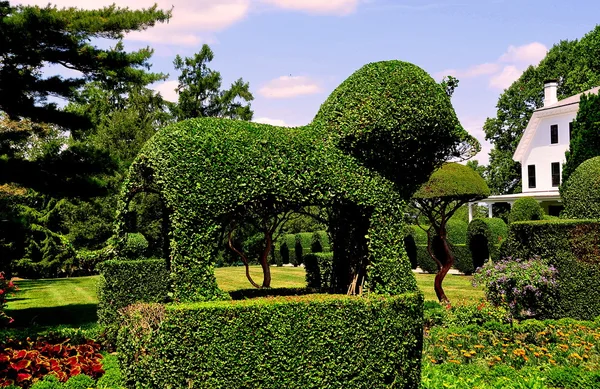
541 151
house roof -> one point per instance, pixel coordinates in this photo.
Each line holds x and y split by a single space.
568 105
553 195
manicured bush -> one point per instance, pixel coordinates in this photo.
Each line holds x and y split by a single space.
463 261
298 250
284 252
573 247
525 287
316 242
424 260
316 341
112 378
411 250
418 234
483 239
457 231
135 246
126 282
581 192
80 381
525 208
318 268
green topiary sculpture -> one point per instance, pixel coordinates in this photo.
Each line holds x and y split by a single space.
581 192
374 141
524 209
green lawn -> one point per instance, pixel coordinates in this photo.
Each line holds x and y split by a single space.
73 300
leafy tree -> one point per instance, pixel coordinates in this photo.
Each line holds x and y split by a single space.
200 93
585 140
575 64
449 188
525 208
480 169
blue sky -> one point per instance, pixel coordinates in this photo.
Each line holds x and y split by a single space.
295 52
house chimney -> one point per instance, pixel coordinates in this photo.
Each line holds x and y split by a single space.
550 87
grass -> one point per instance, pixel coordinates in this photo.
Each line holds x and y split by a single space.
73 300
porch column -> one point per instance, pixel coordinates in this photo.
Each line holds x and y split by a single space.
490 213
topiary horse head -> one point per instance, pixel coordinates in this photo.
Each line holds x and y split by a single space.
376 138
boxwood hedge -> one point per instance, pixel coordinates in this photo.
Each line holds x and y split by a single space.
319 270
573 247
315 341
484 237
124 282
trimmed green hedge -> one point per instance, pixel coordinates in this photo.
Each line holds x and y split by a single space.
126 282
316 341
573 247
483 239
581 191
318 268
424 260
457 231
525 208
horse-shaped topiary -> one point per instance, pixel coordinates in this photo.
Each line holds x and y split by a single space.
376 138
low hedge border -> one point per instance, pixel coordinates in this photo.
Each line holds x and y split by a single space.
573 247
463 261
315 341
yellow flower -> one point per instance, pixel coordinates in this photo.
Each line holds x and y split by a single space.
563 347
479 346
454 361
575 356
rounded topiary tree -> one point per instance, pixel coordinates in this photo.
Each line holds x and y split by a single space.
581 192
448 188
374 139
525 208
483 236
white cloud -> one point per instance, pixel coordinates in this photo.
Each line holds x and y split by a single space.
483 69
273 122
188 26
287 86
529 54
506 77
323 7
167 90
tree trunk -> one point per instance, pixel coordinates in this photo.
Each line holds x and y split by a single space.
244 260
441 274
264 261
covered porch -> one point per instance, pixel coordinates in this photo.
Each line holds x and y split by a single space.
550 202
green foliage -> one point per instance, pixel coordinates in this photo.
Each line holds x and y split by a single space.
408 127
524 287
585 136
525 208
580 193
291 342
483 239
48 382
453 182
424 260
316 242
200 93
572 247
574 63
112 378
298 250
284 253
457 231
135 246
80 381
125 282
463 261
319 270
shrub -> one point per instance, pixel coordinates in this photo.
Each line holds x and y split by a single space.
484 237
457 231
284 251
80 381
111 379
135 246
48 382
581 192
126 282
298 250
463 261
573 247
411 250
6 288
424 260
525 287
314 341
525 208
418 234
316 244
319 270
